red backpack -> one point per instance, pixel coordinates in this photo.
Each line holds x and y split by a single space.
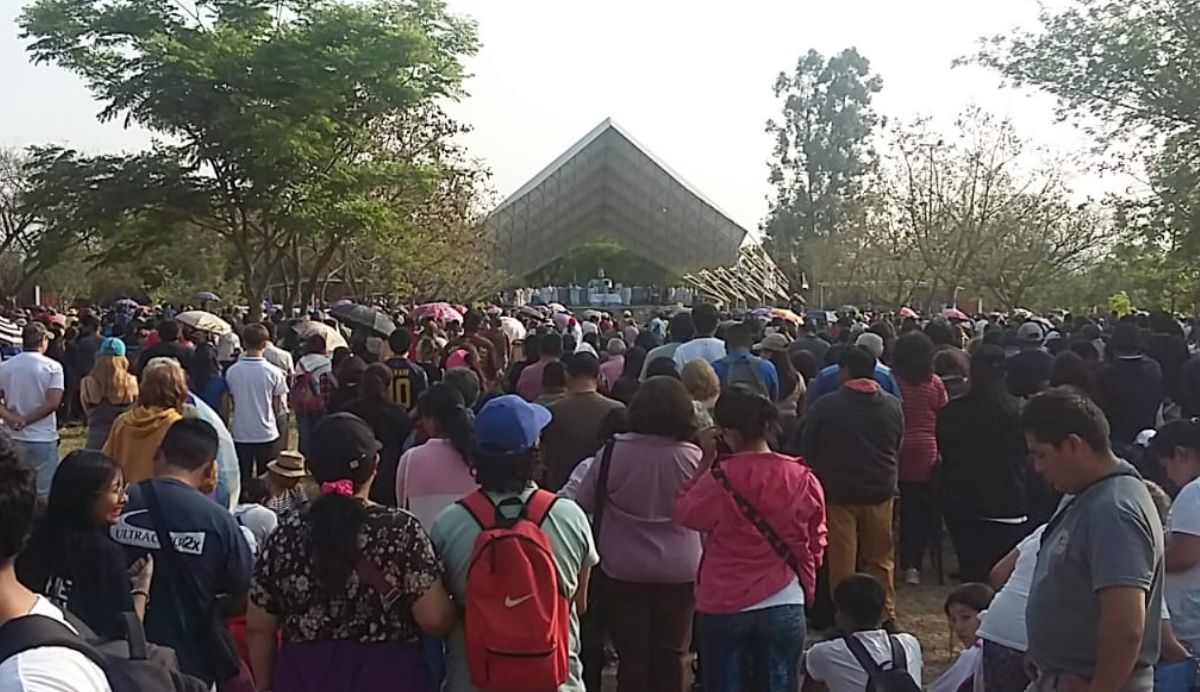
517 619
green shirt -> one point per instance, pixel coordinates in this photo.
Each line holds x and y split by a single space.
454 533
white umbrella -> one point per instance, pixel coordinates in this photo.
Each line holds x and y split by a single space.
512 328
10 333
204 321
333 338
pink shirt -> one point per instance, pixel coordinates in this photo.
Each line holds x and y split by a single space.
610 372
640 541
529 384
740 568
430 478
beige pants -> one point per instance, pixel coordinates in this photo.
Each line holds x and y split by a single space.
861 535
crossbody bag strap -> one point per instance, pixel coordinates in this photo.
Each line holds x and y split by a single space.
758 521
602 488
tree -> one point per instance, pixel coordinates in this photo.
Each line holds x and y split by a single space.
1126 67
274 118
821 157
982 211
29 244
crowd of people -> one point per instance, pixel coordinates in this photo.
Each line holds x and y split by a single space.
518 501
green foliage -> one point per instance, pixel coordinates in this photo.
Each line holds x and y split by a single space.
1120 303
821 157
280 117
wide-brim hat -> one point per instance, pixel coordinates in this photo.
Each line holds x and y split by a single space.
288 464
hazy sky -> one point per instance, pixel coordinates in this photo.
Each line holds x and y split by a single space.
690 80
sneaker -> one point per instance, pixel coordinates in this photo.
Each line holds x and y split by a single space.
912 576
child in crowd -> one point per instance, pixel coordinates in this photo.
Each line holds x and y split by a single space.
252 514
963 607
834 665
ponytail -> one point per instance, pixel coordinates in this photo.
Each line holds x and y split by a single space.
444 403
335 521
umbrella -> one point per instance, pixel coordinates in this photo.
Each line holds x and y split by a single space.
207 297
126 303
785 314
955 314
10 333
908 313
366 317
530 312
204 321
762 312
342 303
592 314
512 328
557 307
442 312
333 338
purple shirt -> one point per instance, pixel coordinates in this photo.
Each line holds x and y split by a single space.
639 540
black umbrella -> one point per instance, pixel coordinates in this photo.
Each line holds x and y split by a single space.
364 316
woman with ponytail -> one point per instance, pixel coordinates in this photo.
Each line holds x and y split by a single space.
350 584
438 473
1176 446
764 517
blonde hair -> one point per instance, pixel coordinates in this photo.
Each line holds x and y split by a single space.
701 380
163 384
111 379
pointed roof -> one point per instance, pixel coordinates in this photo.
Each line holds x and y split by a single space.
607 185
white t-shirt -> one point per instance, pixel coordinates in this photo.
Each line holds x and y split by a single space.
258 520
51 668
709 348
1004 621
253 383
832 663
26 379
1181 590
964 667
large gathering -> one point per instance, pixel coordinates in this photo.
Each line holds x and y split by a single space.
545 346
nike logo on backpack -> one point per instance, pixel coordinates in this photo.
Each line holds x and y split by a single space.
510 602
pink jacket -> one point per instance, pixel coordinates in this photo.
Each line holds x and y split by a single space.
739 567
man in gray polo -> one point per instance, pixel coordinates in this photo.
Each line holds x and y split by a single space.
1096 598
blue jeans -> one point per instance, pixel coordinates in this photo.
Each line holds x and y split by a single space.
43 457
757 649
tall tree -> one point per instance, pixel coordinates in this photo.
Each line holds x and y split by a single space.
29 243
276 114
821 157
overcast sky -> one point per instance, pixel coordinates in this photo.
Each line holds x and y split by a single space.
691 80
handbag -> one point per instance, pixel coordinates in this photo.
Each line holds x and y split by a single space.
764 528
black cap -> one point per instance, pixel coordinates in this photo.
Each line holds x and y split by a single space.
342 445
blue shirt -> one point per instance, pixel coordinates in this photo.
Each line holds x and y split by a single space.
765 367
212 550
827 381
213 391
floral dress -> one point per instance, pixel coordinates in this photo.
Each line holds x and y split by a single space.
347 639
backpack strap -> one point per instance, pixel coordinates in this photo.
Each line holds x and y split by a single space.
899 656
861 654
481 509
538 506
35 631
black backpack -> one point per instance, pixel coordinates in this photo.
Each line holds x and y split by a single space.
894 679
130 664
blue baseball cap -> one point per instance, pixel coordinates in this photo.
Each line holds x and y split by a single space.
112 347
509 425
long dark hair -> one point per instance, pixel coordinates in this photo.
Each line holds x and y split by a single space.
81 477
789 378
336 520
988 394
444 404
748 412
912 358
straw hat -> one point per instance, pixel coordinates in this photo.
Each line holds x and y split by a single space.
288 464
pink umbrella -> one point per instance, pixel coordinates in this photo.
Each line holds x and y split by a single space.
907 313
442 312
955 314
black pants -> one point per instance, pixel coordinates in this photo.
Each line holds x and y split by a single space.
593 633
253 457
920 523
980 544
